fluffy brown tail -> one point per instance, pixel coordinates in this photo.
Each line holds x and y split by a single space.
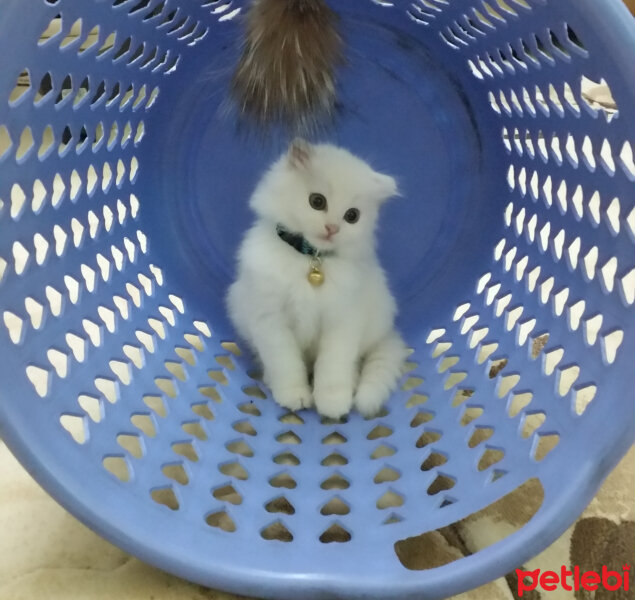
287 70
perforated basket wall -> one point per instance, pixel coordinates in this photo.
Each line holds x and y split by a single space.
123 190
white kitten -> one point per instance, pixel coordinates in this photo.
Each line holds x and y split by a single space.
319 198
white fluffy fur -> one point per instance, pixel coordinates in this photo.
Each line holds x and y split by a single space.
342 332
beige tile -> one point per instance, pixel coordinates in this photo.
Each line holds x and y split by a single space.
131 581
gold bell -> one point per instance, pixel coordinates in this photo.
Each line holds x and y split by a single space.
315 276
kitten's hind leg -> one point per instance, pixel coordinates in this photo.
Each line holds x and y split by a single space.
381 369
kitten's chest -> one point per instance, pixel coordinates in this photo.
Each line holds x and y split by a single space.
310 308
304 313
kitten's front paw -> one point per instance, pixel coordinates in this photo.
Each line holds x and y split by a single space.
294 397
333 401
369 400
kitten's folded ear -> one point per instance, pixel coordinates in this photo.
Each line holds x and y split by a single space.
299 153
385 186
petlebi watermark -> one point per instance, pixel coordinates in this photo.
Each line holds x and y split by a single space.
574 580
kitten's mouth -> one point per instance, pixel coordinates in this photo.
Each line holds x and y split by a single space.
326 237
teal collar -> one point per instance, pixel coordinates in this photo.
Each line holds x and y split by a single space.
300 244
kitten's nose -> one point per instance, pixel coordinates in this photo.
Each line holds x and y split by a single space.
331 230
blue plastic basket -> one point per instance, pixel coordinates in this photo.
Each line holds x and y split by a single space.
124 189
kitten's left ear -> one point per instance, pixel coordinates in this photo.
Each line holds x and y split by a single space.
299 154
384 186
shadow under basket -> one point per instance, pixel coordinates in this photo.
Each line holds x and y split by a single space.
124 183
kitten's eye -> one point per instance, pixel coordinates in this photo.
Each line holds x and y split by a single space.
351 215
317 201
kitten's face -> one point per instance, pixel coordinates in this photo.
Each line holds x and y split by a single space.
325 193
